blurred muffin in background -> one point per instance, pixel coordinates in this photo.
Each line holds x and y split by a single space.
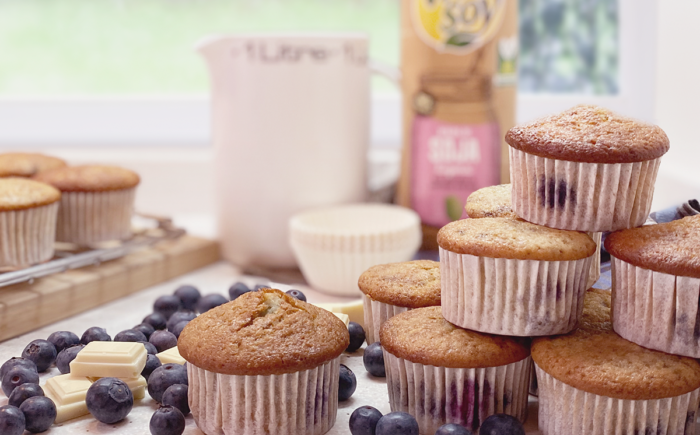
27 164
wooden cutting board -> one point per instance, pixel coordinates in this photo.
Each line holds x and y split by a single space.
27 306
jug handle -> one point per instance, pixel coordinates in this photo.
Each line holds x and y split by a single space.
385 70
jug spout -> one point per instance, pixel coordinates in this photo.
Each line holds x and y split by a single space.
210 46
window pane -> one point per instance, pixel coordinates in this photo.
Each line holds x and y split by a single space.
569 46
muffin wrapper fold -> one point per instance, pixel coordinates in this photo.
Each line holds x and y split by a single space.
512 297
440 395
27 236
568 410
656 310
594 274
581 196
85 218
297 403
376 313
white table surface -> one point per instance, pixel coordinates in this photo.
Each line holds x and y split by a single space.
129 311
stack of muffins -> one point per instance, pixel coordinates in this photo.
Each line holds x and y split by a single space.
43 200
521 269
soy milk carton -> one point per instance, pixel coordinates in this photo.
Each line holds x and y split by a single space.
459 65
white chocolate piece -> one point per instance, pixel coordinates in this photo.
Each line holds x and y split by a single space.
68 394
102 359
171 355
355 309
136 385
344 318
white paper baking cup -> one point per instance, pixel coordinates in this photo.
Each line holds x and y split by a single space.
335 245
594 274
567 410
85 218
300 403
656 310
376 313
533 389
592 197
27 236
512 297
440 395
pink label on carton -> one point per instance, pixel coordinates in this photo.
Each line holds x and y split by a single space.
449 162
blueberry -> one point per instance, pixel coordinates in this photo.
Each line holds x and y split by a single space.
109 400
11 420
296 294
210 301
163 340
260 286
63 340
179 317
42 353
165 376
65 357
501 424
166 305
95 334
18 375
152 363
24 392
363 420
16 361
150 348
179 327
237 289
347 383
176 395
167 420
39 413
188 295
130 335
453 429
145 328
157 320
397 423
373 359
357 336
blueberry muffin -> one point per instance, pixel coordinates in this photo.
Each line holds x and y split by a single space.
278 355
656 285
511 277
440 373
97 202
594 382
390 289
27 221
585 169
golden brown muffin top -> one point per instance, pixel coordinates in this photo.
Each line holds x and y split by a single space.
27 164
410 284
264 332
424 336
20 194
672 248
590 134
595 359
89 178
514 239
492 201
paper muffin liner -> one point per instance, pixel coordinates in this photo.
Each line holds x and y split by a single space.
27 236
564 409
85 218
512 297
656 310
300 403
581 196
440 395
376 313
594 274
533 389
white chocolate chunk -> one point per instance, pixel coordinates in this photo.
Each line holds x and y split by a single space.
102 359
355 310
171 355
68 394
344 318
